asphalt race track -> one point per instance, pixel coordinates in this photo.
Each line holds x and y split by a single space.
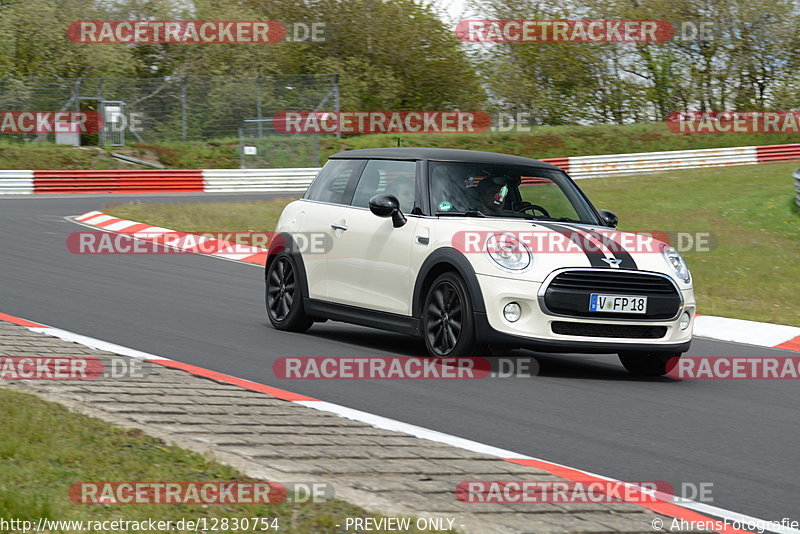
585 412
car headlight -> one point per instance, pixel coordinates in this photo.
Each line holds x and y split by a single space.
676 261
508 252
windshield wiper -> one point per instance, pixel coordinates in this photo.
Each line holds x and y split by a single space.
471 213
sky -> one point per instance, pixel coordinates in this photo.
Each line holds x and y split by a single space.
455 9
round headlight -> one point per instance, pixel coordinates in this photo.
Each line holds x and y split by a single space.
508 252
676 262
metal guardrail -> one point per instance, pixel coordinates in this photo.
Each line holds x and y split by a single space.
775 153
651 162
16 182
258 180
296 180
118 181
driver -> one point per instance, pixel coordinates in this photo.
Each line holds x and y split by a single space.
491 193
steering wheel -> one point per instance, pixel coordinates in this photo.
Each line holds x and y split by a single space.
527 206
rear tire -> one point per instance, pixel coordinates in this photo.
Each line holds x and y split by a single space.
448 326
283 297
649 363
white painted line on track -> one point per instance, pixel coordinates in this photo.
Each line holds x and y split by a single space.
398 426
94 343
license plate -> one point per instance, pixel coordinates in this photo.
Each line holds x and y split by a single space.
617 303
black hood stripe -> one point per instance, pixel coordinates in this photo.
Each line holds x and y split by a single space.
616 249
595 257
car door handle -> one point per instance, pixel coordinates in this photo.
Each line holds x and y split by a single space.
339 227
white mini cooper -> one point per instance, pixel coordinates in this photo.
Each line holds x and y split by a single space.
471 250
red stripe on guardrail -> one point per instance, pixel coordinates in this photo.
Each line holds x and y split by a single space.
562 163
118 181
771 153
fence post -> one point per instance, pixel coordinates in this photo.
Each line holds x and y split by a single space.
258 107
183 109
796 176
241 148
335 104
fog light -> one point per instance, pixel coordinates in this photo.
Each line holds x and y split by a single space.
686 318
512 312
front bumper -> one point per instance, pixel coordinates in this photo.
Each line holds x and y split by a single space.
535 328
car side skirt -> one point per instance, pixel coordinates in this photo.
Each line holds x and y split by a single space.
402 324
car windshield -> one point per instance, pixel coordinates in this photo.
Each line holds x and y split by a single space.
493 190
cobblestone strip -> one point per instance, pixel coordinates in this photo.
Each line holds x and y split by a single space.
383 471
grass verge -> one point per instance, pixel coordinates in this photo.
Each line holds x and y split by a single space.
45 448
753 273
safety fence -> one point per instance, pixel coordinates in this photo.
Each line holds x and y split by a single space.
294 180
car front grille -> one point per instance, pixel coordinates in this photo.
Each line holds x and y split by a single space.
569 292
609 330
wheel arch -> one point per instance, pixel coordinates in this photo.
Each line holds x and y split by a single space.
446 259
284 242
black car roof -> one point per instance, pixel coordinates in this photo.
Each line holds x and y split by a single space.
440 154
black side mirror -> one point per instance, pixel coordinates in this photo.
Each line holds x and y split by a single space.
608 218
387 206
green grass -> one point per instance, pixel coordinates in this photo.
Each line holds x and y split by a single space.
44 449
753 273
34 156
199 217
299 151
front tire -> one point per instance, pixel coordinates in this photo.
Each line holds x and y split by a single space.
447 322
284 299
649 364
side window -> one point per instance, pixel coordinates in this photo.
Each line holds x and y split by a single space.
330 185
396 178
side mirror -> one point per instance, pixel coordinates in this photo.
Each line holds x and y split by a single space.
387 206
608 218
